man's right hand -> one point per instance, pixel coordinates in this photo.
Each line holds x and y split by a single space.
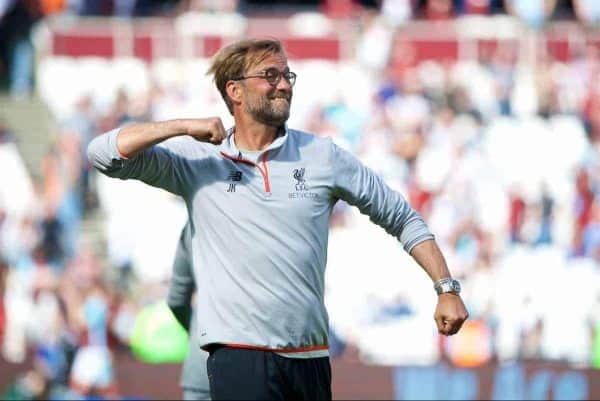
209 129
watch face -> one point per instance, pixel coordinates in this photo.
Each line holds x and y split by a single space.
447 285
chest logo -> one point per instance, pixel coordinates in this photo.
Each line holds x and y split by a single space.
300 181
235 177
302 190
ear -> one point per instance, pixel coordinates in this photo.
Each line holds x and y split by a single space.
234 91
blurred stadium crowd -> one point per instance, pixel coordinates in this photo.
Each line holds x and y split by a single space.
500 155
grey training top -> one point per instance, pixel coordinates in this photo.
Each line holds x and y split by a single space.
181 289
260 229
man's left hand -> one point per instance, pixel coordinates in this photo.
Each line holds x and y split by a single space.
450 314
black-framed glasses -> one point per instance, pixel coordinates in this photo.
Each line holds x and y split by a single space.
273 76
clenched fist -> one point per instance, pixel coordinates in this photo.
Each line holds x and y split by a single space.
209 129
450 314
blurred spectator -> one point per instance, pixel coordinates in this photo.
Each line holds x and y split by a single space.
408 109
546 210
5 133
590 241
584 201
576 83
339 8
120 112
479 7
516 217
502 68
149 8
16 50
436 10
547 90
347 123
591 108
90 7
92 373
83 124
460 103
3 272
18 235
49 7
373 45
397 12
30 385
122 8
50 334
211 6
52 237
587 11
533 13
61 170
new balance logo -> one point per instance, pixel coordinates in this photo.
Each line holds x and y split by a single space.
235 176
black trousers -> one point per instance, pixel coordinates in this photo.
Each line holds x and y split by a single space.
247 374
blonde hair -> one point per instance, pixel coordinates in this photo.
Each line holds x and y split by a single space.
232 61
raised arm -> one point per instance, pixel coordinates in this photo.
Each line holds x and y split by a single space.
129 152
136 138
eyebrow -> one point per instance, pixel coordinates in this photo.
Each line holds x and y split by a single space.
286 69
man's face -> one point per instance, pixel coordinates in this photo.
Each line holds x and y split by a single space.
266 102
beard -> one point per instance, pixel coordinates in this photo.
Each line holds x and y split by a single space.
272 110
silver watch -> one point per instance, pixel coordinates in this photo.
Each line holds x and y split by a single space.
447 285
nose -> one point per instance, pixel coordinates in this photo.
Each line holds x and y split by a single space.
283 84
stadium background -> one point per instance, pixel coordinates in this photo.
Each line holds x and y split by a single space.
485 114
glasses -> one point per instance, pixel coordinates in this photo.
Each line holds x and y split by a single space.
273 76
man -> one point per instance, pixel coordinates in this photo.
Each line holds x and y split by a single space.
259 198
194 379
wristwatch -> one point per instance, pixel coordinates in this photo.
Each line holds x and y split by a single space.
447 285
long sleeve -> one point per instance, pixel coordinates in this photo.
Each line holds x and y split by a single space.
361 187
162 166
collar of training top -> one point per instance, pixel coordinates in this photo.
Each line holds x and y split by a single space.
228 147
